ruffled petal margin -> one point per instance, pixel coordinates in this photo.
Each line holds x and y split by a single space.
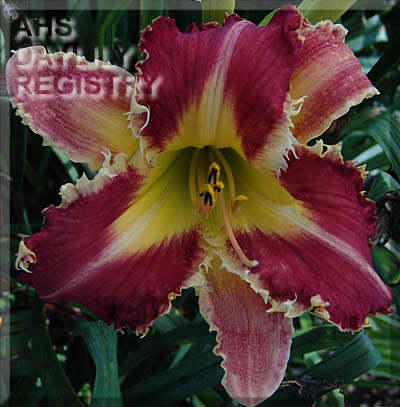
255 345
113 246
199 91
76 105
329 76
312 242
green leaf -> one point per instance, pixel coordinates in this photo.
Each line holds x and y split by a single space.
384 263
318 338
373 157
101 341
186 386
214 10
354 359
188 377
196 332
210 398
267 18
389 60
158 8
351 361
382 184
371 33
385 130
67 163
317 10
367 63
58 389
385 335
105 24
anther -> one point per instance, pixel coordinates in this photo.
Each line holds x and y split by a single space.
218 186
208 194
237 204
228 172
213 173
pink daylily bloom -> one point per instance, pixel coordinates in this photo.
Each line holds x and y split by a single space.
205 180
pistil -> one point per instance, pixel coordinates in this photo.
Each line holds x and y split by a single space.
212 191
238 250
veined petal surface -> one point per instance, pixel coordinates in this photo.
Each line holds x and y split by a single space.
310 233
329 76
221 86
255 345
115 245
76 105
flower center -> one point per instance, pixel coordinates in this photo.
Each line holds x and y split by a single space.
210 189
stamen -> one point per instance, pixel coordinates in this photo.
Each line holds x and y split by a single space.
209 201
228 173
209 195
213 173
218 186
243 258
192 178
237 204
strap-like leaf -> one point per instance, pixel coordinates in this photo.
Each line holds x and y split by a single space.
354 359
385 130
58 389
193 374
317 10
214 10
101 341
318 338
196 332
382 184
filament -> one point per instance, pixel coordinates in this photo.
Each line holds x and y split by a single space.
238 250
192 178
228 173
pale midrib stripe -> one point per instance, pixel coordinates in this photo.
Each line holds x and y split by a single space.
218 79
329 240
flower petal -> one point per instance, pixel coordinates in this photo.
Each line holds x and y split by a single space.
77 106
255 345
200 92
330 77
115 245
311 240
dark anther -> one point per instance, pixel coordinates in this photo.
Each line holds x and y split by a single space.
207 199
212 176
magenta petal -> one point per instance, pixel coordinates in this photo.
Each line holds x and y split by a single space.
76 105
85 254
222 86
254 344
329 76
324 261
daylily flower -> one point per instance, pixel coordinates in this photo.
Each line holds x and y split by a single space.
207 182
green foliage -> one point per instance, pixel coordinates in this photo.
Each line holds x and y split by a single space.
317 10
101 341
57 388
62 352
214 10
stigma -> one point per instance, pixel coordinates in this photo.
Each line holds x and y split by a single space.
212 192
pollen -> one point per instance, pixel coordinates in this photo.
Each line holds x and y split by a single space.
213 173
208 195
218 186
237 204
212 192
